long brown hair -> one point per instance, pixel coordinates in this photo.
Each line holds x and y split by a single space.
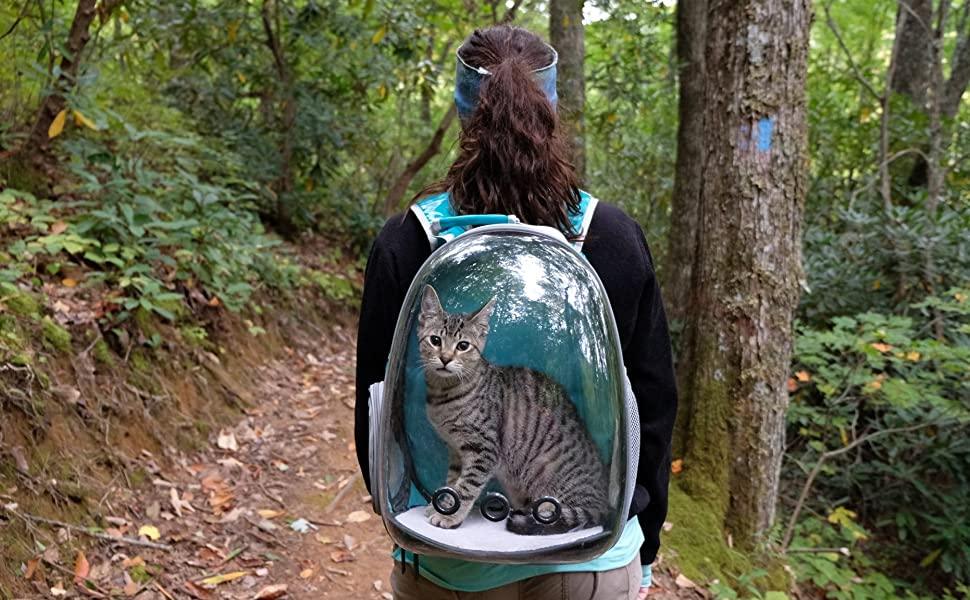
511 157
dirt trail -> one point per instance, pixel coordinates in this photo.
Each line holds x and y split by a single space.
230 513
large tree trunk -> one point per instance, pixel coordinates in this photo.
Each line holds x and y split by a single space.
688 174
746 279
566 35
913 65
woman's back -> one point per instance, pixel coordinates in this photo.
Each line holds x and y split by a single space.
513 160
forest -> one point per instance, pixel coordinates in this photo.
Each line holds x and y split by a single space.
189 191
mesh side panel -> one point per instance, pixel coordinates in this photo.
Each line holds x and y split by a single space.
633 443
375 405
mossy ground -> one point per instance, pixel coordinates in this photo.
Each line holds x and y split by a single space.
697 545
55 337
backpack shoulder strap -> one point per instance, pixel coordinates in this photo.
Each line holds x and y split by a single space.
436 207
430 209
581 219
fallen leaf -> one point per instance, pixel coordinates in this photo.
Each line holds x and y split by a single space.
20 459
339 556
881 347
677 466
31 568
58 589
81 568
217 579
131 587
58 227
128 563
227 441
175 502
267 513
271 592
912 356
803 376
198 592
358 516
683 582
149 531
231 516
306 573
792 385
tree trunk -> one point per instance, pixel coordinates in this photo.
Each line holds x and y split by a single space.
566 35
392 202
746 278
956 85
688 174
913 65
38 141
285 182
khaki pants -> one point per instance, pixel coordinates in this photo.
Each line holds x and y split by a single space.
618 584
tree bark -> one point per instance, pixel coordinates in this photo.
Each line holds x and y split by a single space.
285 182
956 85
566 36
688 174
915 60
746 278
38 142
392 202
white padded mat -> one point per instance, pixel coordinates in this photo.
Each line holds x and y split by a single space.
478 533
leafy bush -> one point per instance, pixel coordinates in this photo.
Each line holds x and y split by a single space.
154 231
901 396
864 259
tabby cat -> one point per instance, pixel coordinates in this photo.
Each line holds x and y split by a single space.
511 423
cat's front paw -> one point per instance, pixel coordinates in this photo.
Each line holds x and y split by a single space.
445 521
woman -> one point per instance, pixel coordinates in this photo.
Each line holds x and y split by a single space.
512 160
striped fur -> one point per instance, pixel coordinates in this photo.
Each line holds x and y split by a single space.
511 423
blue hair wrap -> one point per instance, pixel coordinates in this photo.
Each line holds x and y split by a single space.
468 83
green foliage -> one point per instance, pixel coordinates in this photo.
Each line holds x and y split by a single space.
631 115
887 380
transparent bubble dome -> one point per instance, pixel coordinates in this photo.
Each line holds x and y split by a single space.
528 396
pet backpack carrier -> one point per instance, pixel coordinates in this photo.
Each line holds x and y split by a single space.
505 429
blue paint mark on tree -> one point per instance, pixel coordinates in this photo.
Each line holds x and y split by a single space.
766 126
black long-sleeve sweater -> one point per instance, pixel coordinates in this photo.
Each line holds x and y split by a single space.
616 249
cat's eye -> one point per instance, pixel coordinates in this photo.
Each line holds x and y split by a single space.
435 340
462 346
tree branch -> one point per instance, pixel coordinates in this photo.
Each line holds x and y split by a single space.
956 85
393 199
789 531
86 531
20 17
848 55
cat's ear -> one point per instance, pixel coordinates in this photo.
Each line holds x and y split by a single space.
481 316
430 305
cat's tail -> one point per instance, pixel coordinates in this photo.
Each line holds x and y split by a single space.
523 523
